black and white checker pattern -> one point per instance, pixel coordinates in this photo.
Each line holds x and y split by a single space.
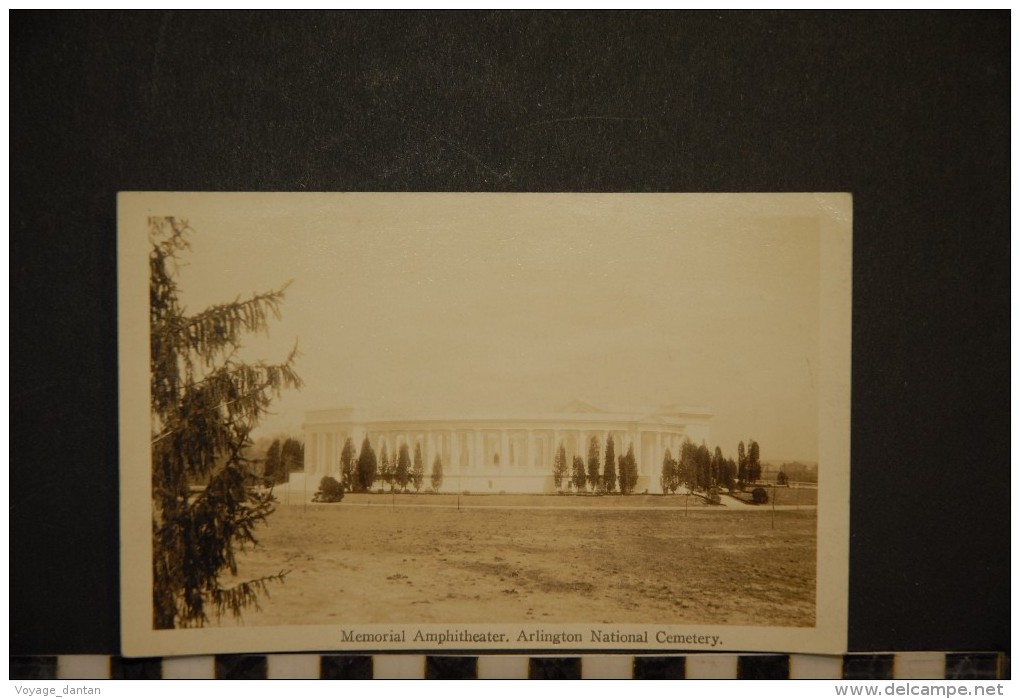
963 666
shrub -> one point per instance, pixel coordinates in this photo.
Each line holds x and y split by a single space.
330 490
713 496
759 496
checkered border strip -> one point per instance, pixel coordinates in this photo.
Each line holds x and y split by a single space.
856 666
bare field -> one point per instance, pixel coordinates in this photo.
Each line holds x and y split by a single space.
396 564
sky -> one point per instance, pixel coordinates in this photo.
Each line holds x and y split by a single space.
429 304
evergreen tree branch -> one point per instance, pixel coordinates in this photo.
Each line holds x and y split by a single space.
238 390
201 420
246 594
221 326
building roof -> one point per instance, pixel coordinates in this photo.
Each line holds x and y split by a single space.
577 410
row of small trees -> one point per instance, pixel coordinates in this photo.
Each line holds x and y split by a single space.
599 475
361 473
699 469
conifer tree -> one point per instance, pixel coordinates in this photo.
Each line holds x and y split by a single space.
560 467
402 473
668 478
594 463
728 474
718 468
753 463
347 463
577 475
609 470
386 469
292 454
628 471
731 472
274 470
367 466
418 469
688 468
437 473
741 465
204 404
704 461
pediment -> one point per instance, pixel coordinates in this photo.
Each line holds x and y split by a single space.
580 406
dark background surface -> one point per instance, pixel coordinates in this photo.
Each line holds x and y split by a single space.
908 111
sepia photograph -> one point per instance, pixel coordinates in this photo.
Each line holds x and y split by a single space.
494 422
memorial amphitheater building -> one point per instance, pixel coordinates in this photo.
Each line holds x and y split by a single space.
505 453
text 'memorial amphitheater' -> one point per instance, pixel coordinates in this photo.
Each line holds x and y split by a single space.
505 453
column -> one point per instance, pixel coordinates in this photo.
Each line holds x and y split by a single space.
319 456
504 450
327 452
310 455
637 451
331 459
324 453
479 450
530 463
454 450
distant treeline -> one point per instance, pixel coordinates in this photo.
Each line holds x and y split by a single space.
796 471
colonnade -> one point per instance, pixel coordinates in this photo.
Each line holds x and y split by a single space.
467 449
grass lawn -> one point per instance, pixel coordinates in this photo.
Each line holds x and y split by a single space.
783 496
391 564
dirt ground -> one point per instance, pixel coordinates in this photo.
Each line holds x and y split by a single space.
355 562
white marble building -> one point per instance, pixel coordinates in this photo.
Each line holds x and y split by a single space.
505 453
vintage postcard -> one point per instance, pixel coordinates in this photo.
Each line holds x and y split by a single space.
507 423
